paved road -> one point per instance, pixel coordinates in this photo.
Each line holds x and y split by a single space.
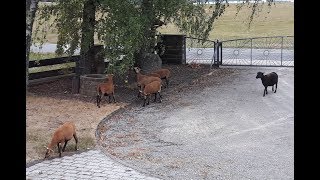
226 130
231 56
47 48
91 165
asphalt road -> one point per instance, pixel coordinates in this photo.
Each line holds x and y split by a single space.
226 130
231 56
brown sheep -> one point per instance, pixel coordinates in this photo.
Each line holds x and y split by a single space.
164 74
154 75
106 88
63 134
153 87
142 80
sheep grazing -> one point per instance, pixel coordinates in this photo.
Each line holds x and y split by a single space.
164 74
107 89
270 79
153 87
143 80
63 134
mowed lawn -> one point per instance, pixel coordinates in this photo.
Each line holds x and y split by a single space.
278 22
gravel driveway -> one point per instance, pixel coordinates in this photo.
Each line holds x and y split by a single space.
215 128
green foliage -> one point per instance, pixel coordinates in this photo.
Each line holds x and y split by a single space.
67 16
127 27
120 30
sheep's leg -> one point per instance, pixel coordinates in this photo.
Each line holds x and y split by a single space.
155 97
114 99
76 139
276 88
144 101
109 98
167 82
64 146
139 87
59 149
160 97
272 88
98 100
148 99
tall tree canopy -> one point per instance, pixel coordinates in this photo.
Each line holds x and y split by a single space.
128 27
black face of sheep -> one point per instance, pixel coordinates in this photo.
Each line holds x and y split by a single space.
259 75
270 79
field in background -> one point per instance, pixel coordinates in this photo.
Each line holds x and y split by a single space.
279 22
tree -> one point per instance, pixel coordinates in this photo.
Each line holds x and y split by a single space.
129 27
31 8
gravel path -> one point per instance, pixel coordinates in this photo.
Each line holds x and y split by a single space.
218 127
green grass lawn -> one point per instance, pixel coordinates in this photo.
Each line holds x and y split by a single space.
279 22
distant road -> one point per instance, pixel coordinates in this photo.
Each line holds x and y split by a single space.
200 55
47 48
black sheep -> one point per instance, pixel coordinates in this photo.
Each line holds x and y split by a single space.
270 79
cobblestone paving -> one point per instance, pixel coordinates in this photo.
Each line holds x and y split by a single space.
91 165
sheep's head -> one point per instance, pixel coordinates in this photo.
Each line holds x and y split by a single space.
109 76
48 152
143 94
259 75
136 69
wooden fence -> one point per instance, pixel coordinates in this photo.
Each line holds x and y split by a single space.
46 70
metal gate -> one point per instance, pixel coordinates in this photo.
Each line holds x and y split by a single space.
273 51
199 51
261 51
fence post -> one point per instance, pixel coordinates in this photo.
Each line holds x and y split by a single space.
213 61
251 53
76 78
281 49
220 60
216 54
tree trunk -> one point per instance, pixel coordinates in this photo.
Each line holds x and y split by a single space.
86 62
31 9
148 13
146 59
87 38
